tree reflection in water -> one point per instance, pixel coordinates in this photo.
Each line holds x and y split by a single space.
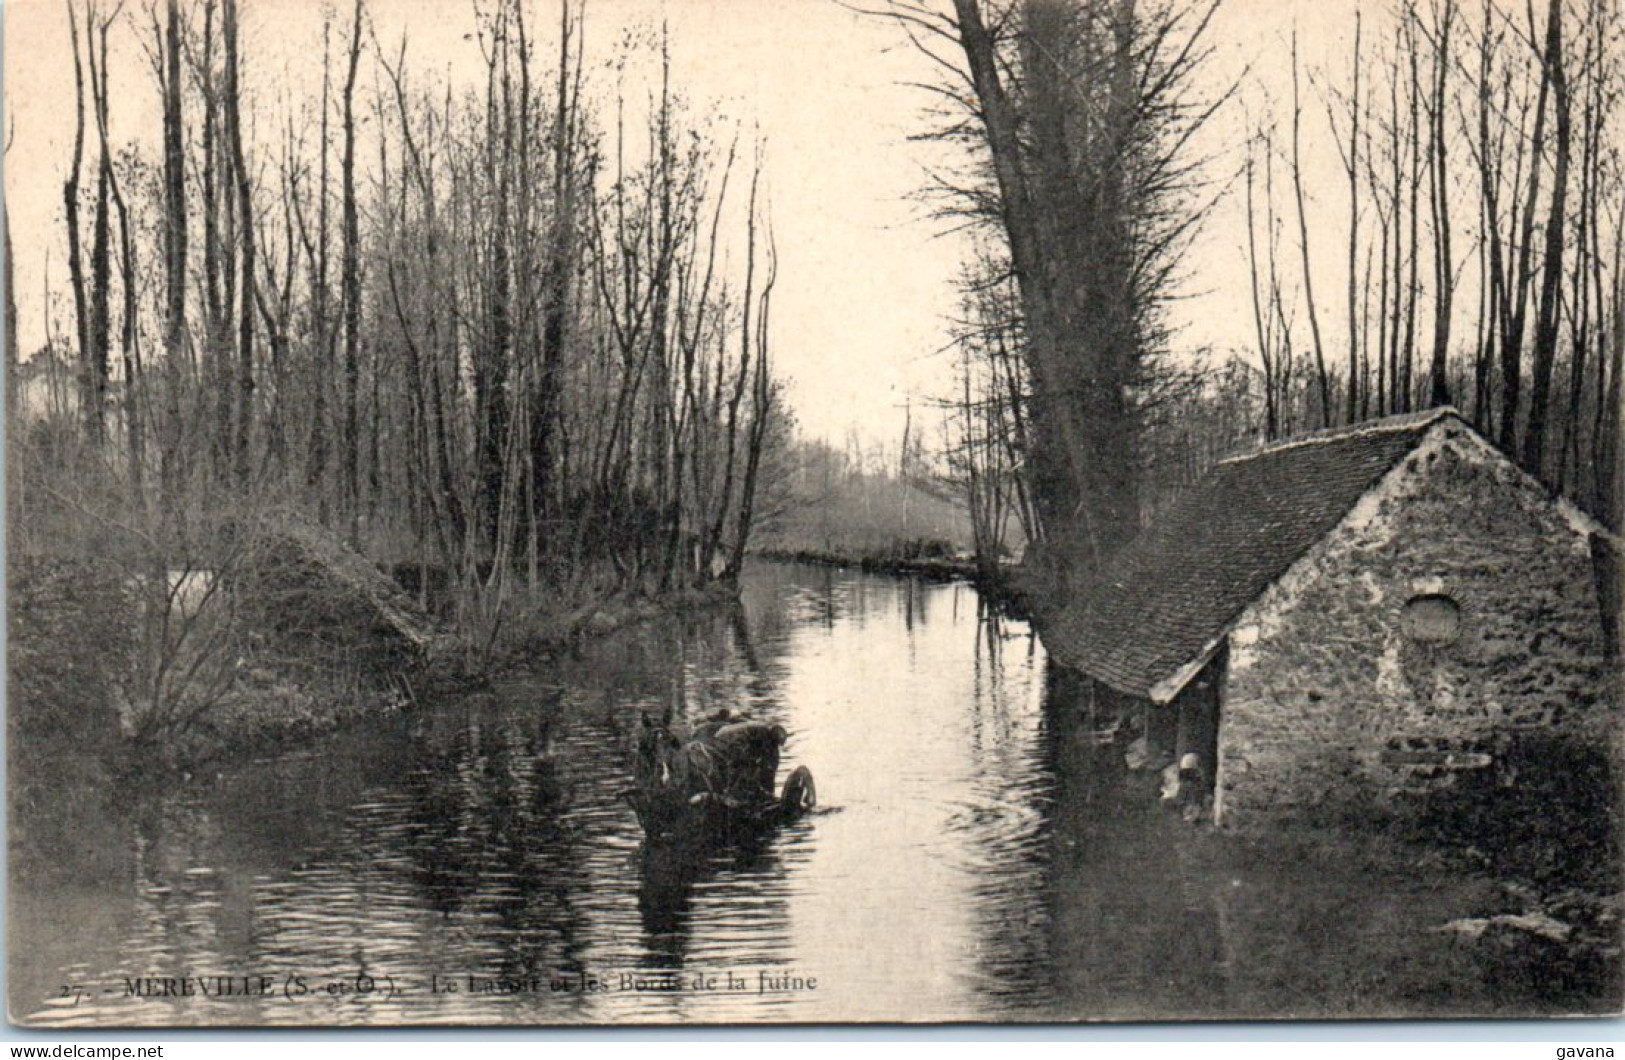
991 858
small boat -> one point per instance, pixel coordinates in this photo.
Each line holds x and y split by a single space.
717 783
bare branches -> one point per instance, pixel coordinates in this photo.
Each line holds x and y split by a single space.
1323 379
1472 194
1074 122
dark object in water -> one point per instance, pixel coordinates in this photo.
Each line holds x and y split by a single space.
717 783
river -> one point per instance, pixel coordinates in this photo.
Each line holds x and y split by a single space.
975 857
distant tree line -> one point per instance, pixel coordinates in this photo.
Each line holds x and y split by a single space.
860 500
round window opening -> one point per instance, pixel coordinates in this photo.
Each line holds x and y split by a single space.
1432 618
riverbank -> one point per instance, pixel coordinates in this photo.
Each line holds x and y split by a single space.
281 712
934 568
285 657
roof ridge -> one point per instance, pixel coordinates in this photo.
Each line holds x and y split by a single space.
1406 421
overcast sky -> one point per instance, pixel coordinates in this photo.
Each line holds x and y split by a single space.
865 282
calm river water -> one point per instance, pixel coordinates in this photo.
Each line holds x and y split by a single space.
974 858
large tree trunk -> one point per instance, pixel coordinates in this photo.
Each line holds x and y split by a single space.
1544 350
545 410
218 272
70 204
351 291
245 220
1439 185
1516 304
1067 257
101 261
316 457
128 336
175 250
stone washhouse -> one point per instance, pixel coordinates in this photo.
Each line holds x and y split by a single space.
1349 613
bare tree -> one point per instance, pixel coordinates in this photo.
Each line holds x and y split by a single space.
245 224
1322 376
76 267
1439 195
167 53
1080 114
350 287
1554 70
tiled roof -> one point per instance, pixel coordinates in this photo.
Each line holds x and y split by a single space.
1177 586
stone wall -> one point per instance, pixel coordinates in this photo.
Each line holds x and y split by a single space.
1336 695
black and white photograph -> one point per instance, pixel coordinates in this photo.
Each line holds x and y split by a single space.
533 513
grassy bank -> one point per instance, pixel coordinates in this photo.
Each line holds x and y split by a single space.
167 680
87 676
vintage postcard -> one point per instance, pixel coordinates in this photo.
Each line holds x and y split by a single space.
534 512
